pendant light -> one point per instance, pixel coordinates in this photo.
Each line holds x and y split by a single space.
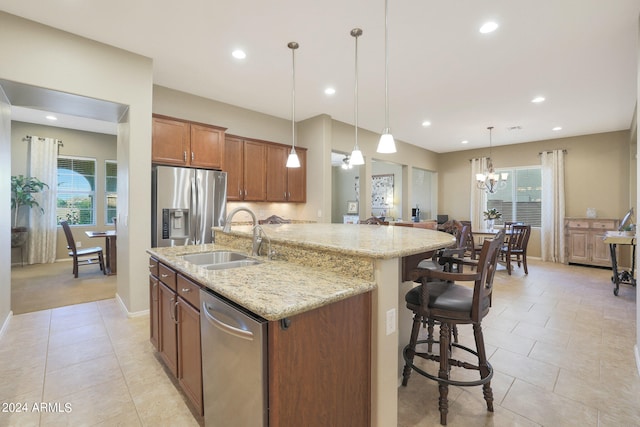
356 155
293 161
491 181
386 144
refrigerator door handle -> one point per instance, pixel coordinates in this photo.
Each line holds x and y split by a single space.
195 216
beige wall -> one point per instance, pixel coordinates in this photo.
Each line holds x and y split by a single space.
597 175
5 214
75 143
98 71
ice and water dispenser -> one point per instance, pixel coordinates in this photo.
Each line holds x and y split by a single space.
175 223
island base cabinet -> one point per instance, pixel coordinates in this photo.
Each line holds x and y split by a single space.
168 334
320 367
189 351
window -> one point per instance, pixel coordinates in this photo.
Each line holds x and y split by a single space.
76 190
521 199
110 190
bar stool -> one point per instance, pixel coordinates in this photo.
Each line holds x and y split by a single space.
441 299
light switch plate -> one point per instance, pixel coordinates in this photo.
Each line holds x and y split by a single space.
391 321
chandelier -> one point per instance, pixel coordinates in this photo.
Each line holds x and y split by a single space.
490 181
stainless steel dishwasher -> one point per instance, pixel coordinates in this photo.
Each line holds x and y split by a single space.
234 364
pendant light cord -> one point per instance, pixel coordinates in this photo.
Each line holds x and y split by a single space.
386 66
293 46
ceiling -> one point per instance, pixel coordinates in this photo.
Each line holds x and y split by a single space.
581 55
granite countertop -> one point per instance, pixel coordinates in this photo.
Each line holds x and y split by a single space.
272 289
373 241
275 289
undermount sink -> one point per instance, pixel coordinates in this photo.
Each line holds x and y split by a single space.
220 260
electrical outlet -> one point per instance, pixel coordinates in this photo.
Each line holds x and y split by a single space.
78 244
391 321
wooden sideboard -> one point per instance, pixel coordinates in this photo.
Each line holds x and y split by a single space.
584 240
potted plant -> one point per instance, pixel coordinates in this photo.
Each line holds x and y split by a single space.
22 194
491 215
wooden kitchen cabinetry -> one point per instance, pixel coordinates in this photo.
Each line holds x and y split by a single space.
245 164
183 143
285 184
584 240
175 327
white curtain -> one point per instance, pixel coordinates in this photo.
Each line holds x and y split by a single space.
478 197
43 164
552 232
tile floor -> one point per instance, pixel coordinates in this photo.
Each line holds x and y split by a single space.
561 344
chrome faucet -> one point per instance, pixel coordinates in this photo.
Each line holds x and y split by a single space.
256 241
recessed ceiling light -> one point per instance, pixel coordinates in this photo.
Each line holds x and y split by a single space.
557 128
239 54
488 27
329 91
464 142
426 123
538 99
53 118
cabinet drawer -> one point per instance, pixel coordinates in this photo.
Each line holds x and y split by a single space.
578 224
153 267
189 291
167 276
603 225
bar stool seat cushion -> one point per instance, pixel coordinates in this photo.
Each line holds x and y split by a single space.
435 290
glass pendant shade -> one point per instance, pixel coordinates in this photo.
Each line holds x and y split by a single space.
387 144
293 161
356 158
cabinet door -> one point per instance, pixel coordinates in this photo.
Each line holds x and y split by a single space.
319 369
170 142
154 306
277 173
206 147
600 252
233 165
189 356
168 331
255 188
578 246
297 180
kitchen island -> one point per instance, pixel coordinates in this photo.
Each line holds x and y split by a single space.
319 264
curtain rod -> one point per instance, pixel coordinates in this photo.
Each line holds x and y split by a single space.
551 151
59 141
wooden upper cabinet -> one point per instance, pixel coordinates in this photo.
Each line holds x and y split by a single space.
234 165
170 141
276 173
182 143
254 170
206 146
297 180
285 184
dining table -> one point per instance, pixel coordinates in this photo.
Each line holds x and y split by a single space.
110 253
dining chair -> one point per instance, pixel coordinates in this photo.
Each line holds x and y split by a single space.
515 248
373 221
443 299
84 256
274 219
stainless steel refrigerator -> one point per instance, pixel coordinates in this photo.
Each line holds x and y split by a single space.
186 204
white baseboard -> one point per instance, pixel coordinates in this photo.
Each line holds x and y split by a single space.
5 324
126 311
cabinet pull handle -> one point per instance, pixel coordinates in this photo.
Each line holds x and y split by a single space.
152 266
192 156
171 311
175 309
240 192
164 276
186 290
184 155
153 294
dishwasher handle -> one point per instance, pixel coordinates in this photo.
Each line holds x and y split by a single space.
240 333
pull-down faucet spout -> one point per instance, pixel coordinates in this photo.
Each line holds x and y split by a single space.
255 247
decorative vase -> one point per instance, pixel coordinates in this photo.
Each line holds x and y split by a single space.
18 236
490 224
